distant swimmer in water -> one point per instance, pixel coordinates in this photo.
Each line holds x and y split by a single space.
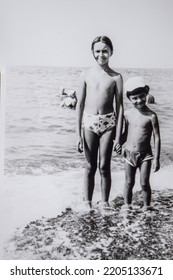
101 109
140 124
150 98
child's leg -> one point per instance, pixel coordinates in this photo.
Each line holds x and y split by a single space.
130 173
91 143
105 153
145 169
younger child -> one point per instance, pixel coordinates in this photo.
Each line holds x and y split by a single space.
140 124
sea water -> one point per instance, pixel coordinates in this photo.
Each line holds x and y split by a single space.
43 170
40 135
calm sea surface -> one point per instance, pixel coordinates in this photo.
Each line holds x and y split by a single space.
40 135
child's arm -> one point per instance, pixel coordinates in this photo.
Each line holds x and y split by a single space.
118 146
157 142
79 113
120 111
124 134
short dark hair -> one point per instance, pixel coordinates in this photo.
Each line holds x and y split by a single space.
138 91
103 39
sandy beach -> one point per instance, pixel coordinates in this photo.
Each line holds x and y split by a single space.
27 209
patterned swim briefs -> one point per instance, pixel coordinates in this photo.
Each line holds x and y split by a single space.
99 124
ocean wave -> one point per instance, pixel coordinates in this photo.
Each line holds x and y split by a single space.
45 164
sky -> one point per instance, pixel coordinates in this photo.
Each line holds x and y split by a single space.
60 32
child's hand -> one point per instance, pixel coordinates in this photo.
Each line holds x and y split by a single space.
117 147
80 145
156 165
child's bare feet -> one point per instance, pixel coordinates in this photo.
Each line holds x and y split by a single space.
106 208
87 205
126 209
147 208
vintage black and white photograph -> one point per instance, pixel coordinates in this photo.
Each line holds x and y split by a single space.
87 128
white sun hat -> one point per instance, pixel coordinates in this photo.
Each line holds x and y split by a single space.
134 83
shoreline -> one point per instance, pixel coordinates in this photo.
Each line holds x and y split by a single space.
28 198
99 235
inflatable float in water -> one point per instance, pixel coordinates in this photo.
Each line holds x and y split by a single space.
68 96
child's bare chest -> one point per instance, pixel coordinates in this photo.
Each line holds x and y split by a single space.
101 83
139 121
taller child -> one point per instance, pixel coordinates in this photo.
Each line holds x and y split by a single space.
100 107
